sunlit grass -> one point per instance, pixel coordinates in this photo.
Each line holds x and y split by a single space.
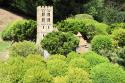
4 45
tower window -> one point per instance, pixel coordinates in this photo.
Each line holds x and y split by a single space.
43 27
43 14
48 19
43 19
48 27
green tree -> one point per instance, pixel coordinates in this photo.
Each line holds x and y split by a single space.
59 43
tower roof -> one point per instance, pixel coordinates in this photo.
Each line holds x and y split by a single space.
79 34
82 42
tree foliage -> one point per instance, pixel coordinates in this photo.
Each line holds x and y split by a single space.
59 43
20 30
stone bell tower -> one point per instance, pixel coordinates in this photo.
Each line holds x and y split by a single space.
44 21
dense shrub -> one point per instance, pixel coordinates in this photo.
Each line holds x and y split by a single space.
58 57
83 16
102 28
72 55
57 67
101 42
121 56
37 75
15 60
117 25
107 73
23 49
119 36
60 42
79 63
12 71
87 27
34 60
72 25
77 75
20 30
59 80
94 59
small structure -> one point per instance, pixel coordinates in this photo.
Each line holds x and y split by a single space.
83 45
44 21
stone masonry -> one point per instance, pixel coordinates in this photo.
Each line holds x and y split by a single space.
44 21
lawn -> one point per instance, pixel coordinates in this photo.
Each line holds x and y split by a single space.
3 44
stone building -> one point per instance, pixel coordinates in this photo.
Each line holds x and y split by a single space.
83 45
44 21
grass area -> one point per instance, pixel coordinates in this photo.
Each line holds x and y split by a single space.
4 45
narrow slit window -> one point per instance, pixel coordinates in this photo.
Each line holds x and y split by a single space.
48 19
43 19
43 14
48 14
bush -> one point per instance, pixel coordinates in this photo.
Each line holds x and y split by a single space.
107 73
15 60
83 16
20 30
77 75
70 25
60 43
87 27
34 60
37 75
72 55
79 63
101 42
121 56
59 80
58 57
12 71
23 49
117 25
57 67
119 36
95 59
102 28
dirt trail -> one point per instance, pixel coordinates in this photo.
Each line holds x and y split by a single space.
6 17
